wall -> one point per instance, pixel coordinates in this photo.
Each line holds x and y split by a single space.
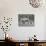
11 8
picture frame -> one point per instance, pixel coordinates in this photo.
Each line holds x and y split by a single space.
26 19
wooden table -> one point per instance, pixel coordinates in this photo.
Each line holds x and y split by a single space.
28 43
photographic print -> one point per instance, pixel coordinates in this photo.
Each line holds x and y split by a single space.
26 20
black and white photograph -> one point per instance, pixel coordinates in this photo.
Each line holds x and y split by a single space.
26 19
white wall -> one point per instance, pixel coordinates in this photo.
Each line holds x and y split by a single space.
12 8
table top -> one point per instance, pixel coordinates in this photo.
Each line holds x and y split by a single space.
26 41
29 41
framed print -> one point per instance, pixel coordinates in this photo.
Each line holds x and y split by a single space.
26 20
